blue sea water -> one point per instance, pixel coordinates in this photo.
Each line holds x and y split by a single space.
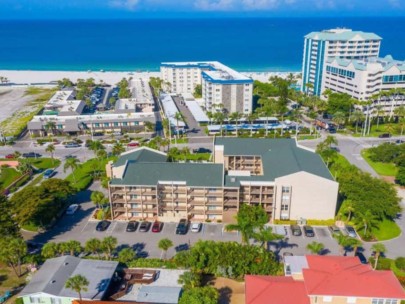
271 44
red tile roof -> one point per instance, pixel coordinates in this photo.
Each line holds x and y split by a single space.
346 276
274 290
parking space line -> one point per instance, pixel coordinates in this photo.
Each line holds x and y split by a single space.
85 226
203 229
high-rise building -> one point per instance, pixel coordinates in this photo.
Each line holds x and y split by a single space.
340 43
222 87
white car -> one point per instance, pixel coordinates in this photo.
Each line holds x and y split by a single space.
195 227
72 209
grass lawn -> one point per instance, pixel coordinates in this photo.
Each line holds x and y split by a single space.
304 137
183 140
30 227
82 177
386 169
44 163
8 176
392 128
9 280
387 230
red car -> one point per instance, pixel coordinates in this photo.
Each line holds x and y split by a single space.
133 144
10 156
157 227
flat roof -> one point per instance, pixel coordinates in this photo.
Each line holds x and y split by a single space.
141 91
370 63
342 34
170 109
196 110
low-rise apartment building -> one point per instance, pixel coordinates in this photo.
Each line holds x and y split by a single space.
222 87
288 181
363 78
325 279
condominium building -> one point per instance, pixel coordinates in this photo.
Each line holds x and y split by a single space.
363 78
341 43
288 181
222 87
318 279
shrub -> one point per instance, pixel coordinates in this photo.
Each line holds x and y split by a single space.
383 263
152 263
400 263
402 281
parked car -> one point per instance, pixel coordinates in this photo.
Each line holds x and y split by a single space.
33 248
384 135
103 225
296 230
157 226
399 141
131 226
144 227
182 227
31 155
361 257
72 209
195 227
8 156
72 145
309 231
48 173
334 229
350 231
133 144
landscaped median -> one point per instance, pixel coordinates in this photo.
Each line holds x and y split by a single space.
385 169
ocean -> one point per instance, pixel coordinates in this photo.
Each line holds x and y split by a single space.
266 44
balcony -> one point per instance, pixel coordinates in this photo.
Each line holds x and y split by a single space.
134 191
120 209
197 202
214 203
267 200
119 192
197 211
218 211
137 209
149 192
118 201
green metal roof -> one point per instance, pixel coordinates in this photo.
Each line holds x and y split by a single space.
386 63
150 174
347 35
141 155
280 157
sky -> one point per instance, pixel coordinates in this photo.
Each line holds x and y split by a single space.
115 9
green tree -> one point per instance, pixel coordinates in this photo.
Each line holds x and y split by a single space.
165 244
400 178
96 145
72 164
50 127
251 118
93 246
12 252
73 247
366 221
378 249
190 279
126 255
315 247
118 148
148 126
235 116
25 167
50 149
178 116
345 242
108 245
98 198
77 283
248 219
8 226
357 116
50 250
266 235
330 140
197 91
348 208
200 295
339 118
219 118
400 112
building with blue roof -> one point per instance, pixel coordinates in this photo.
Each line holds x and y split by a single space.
222 87
341 43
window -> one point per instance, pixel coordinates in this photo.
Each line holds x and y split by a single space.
106 124
56 301
327 299
284 207
377 301
351 300
116 124
285 189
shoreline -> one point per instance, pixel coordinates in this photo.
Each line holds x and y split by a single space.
34 77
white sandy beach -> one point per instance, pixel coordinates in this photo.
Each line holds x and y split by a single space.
46 77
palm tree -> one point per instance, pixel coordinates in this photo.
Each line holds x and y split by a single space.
50 126
343 241
219 117
98 198
379 111
77 283
315 247
357 117
17 154
210 115
266 235
329 140
235 116
165 244
190 279
25 167
366 220
349 208
72 164
118 148
101 154
93 246
379 249
251 118
178 117
50 250
355 244
400 112
50 149
96 146
73 247
108 245
148 126
339 118
126 255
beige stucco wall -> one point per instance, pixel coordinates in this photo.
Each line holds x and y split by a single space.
339 300
312 197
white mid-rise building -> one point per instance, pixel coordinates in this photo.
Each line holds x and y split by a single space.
222 87
342 43
363 78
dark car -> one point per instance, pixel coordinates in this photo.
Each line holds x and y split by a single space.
103 225
361 257
182 227
31 155
144 227
332 130
131 226
49 173
295 230
309 231
399 141
350 231
157 226
384 135
33 248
